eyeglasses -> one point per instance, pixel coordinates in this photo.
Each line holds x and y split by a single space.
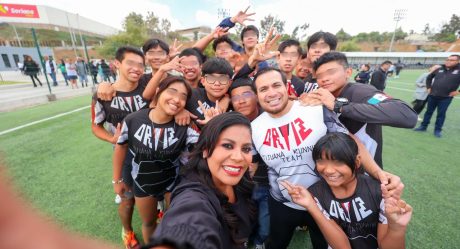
212 79
289 54
156 53
243 96
453 60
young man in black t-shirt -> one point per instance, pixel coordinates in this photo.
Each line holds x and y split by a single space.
216 79
290 52
127 99
361 108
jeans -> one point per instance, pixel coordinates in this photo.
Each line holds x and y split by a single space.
442 103
83 78
53 77
260 196
65 78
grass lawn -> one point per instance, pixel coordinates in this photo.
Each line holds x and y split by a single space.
66 172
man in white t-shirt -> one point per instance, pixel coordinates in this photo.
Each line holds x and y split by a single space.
284 137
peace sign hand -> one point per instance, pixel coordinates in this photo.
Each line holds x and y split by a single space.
174 49
174 64
219 32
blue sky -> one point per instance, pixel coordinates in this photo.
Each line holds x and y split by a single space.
354 16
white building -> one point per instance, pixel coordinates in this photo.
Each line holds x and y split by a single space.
41 16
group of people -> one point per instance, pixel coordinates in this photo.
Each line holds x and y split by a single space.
71 70
244 153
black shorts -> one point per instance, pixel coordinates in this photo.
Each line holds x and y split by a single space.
127 168
72 77
139 192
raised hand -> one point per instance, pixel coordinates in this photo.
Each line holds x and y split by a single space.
262 50
242 16
299 195
174 64
174 49
208 113
219 32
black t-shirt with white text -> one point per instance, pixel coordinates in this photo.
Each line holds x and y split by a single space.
114 111
357 215
156 149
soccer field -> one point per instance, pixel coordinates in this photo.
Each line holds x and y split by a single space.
66 172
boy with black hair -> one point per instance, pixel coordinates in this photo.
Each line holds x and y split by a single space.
379 76
290 52
216 78
191 63
127 99
318 44
156 54
362 108
244 100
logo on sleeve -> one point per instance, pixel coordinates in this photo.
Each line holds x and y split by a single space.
377 98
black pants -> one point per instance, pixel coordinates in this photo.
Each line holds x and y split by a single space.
418 105
94 78
32 76
284 220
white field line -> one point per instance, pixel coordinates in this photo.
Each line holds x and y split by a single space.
42 120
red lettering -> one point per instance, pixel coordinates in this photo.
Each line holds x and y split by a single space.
267 140
304 133
296 135
285 133
276 139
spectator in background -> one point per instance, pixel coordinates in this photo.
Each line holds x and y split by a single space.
398 67
31 68
63 69
421 92
113 71
379 77
72 72
363 76
105 70
82 72
442 86
391 70
93 67
51 67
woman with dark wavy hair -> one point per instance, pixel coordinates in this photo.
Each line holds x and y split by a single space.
211 207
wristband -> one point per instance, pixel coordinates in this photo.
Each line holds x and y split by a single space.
118 181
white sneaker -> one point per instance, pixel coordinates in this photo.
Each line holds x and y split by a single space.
117 199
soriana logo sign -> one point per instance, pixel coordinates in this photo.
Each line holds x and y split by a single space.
18 10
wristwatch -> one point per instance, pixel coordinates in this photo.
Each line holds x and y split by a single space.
339 103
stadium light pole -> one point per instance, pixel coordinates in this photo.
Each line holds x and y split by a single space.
398 16
51 96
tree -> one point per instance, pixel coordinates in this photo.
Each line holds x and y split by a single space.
348 46
448 30
427 30
151 23
342 35
267 22
299 32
